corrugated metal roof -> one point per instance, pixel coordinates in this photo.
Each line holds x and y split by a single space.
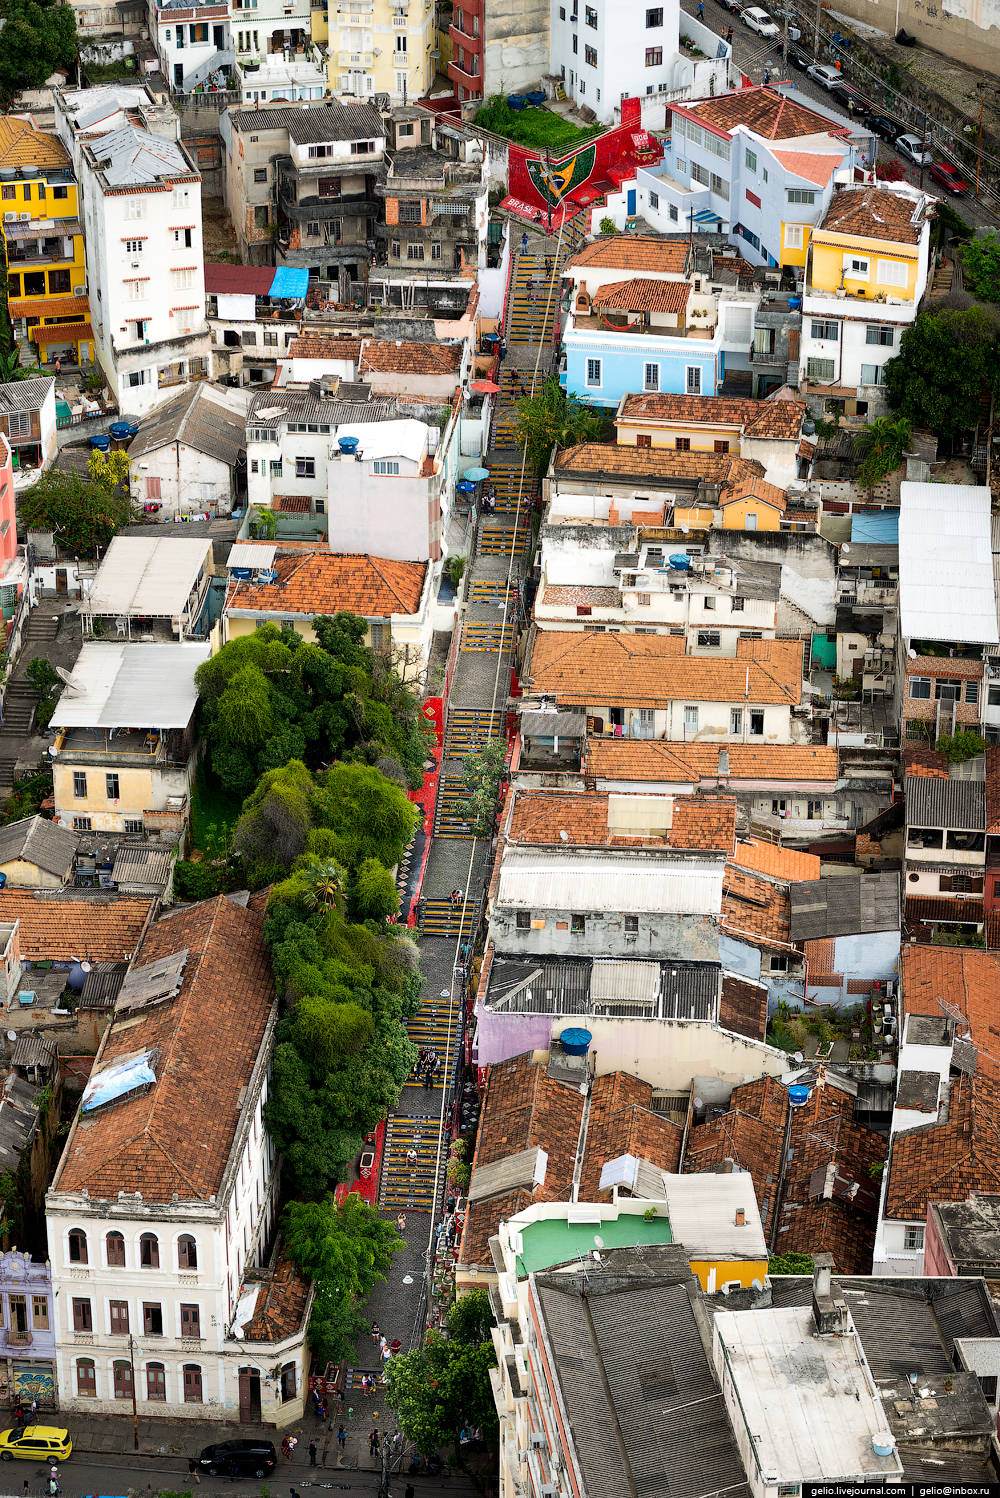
543 987
149 686
103 985
31 1050
702 1209
844 905
690 990
146 868
250 554
24 395
199 419
41 842
506 1175
147 575
945 564
880 527
612 981
275 407
932 801
640 882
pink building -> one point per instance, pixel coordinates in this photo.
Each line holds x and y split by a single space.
8 530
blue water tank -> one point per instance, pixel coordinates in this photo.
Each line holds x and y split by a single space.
348 444
797 1096
575 1042
680 562
794 303
243 574
102 442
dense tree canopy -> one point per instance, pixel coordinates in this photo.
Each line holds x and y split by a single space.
552 416
947 361
272 697
85 512
39 36
981 267
346 1250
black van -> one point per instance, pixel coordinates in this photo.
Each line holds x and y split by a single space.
252 1458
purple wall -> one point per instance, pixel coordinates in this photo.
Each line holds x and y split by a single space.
500 1036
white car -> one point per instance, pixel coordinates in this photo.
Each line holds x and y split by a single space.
825 73
758 20
909 146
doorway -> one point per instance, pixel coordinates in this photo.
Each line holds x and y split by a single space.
219 37
249 1396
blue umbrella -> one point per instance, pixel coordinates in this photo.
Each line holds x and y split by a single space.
476 474
464 488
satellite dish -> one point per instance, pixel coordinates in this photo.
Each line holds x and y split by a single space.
845 547
912 653
73 683
598 1240
564 835
698 1103
11 1034
757 1285
798 1057
685 530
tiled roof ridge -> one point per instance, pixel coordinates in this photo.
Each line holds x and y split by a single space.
376 566
151 1142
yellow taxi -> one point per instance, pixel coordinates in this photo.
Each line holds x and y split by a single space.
35 1443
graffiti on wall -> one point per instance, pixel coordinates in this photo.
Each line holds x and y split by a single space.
570 182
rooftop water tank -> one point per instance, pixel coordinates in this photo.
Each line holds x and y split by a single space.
348 444
243 574
797 1096
575 1042
883 1443
680 562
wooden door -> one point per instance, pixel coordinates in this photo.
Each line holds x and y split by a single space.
123 1381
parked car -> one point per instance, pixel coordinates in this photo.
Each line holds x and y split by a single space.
758 20
910 147
825 73
850 97
735 6
36 1443
881 125
949 177
796 56
252 1458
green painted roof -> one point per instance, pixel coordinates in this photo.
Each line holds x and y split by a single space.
556 1241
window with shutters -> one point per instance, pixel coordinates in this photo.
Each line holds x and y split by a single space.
152 488
115 1250
192 1384
190 1321
119 1318
690 720
593 371
86 1378
893 273
652 377
972 691
735 720
801 195
149 1251
643 441
187 1252
122 1372
19 424
40 1313
152 1318
82 1319
753 198
77 1246
694 380
156 1381
794 236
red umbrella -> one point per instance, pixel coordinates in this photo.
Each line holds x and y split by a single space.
485 387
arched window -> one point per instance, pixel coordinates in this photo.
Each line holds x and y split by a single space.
115 1245
187 1252
77 1246
156 1381
288 1381
149 1251
86 1378
192 1384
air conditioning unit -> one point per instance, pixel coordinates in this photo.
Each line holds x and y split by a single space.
24 218
537 1441
10 218
549 1490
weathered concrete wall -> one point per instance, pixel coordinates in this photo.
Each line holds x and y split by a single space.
691 938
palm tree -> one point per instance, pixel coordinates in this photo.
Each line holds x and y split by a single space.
11 367
881 445
325 882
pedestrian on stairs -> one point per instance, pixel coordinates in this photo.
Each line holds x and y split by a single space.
524 242
503 349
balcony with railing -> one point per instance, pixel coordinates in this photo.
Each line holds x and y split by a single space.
128 747
459 75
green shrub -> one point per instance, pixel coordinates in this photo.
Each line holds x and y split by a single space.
608 225
200 881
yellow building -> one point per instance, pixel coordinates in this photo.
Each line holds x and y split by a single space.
869 246
382 46
43 243
319 22
752 506
768 432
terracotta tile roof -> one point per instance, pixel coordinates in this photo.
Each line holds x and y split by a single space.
57 930
292 504
768 113
653 760
921 759
756 489
732 265
643 296
624 669
538 817
21 143
823 1133
626 461
778 863
922 910
324 346
281 1303
241 280
179 1135
522 1108
872 213
813 166
778 420
70 306
803 516
751 1134
387 356
622 1123
992 788
631 252
556 595
743 1007
806 449
967 978
754 909
946 1161
332 582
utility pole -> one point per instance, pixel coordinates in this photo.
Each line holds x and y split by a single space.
923 144
816 36
135 1410
384 1490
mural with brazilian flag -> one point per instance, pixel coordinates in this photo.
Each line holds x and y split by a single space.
555 181
568 183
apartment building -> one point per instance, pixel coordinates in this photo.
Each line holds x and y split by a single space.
47 298
300 187
161 1251
498 51
381 47
865 274
28 424
765 432
142 200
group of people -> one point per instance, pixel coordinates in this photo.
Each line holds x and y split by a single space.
489 500
22 1416
428 1063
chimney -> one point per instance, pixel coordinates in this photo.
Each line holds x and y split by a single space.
829 1314
822 1273
741 1217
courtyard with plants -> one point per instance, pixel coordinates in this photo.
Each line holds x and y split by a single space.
842 1033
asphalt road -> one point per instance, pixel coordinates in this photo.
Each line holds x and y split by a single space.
85 1475
754 55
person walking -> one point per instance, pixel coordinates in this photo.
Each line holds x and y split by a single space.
401 1222
193 1471
428 1079
26 1490
312 1453
326 1408
373 1443
342 1438
701 10
729 36
524 242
